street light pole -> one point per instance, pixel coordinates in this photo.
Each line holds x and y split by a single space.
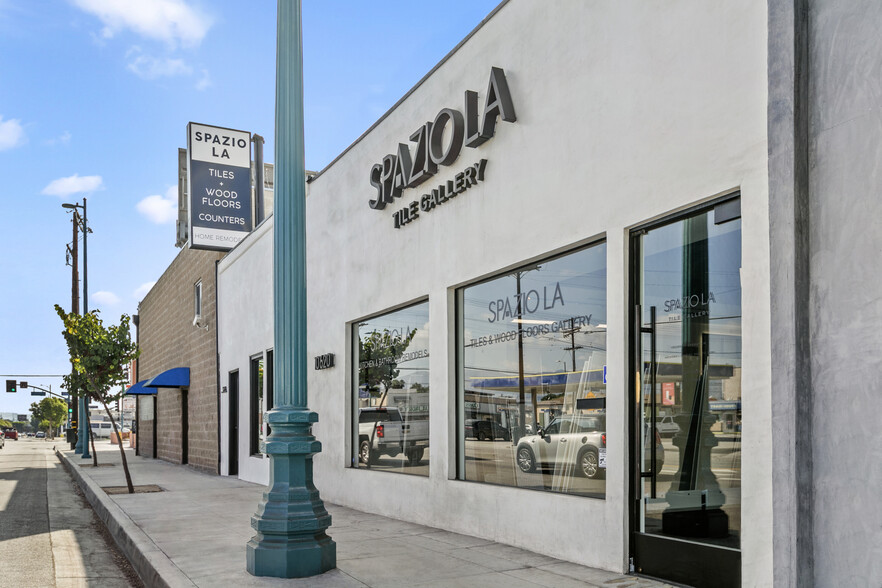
291 520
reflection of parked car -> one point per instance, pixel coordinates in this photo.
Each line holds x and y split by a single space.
11 434
666 426
573 440
383 431
486 430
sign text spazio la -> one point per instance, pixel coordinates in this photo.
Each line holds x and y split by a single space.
409 168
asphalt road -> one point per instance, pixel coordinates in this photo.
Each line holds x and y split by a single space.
49 535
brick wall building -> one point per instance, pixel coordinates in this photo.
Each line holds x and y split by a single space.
186 420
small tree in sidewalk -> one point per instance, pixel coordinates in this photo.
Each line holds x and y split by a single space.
99 356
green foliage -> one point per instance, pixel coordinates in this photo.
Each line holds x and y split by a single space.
51 410
4 424
99 354
378 355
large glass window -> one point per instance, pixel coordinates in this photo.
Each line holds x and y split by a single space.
532 376
392 391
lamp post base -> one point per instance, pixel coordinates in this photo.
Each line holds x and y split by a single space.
291 520
80 436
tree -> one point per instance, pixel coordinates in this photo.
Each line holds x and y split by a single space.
99 356
378 355
52 411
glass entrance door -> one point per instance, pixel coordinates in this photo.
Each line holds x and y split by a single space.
687 374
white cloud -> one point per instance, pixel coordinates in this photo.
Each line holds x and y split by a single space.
160 209
204 82
11 133
143 289
63 139
105 298
73 185
171 21
148 67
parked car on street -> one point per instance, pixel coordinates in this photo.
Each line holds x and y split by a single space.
575 440
486 430
41 435
11 434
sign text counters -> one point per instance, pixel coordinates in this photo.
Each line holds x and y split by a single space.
219 175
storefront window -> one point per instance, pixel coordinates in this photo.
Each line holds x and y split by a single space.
532 376
392 391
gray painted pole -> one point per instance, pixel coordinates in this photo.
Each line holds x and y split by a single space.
291 520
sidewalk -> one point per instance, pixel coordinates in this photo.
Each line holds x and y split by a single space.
194 534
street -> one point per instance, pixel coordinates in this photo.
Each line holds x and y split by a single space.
49 535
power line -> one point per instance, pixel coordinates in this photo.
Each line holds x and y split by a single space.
34 375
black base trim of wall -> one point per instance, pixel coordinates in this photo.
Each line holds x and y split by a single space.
687 563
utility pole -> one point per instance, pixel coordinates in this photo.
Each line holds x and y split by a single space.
75 309
572 334
83 416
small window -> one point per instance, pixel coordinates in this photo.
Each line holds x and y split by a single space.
197 300
258 427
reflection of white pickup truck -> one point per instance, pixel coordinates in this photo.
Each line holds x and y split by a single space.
383 431
666 426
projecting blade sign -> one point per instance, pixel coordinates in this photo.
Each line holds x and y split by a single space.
219 172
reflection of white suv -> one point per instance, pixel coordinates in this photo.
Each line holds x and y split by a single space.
575 440
580 441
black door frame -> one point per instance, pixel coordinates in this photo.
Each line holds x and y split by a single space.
185 427
653 555
233 423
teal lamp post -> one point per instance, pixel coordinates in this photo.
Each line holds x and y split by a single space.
291 520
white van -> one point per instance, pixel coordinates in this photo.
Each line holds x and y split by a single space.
101 429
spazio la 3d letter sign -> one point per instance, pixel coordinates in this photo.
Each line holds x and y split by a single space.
407 169
219 172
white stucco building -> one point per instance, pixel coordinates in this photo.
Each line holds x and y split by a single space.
516 302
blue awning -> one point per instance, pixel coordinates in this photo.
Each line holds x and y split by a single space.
174 378
136 389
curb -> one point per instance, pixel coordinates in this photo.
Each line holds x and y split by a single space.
152 564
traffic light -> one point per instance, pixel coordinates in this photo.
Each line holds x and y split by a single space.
22 385
10 386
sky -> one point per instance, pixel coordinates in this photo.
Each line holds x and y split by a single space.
95 97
